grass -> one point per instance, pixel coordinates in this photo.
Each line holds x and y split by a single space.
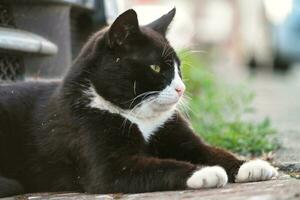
217 111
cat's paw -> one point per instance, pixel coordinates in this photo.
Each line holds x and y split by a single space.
255 170
208 177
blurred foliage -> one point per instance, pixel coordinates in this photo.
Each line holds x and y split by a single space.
217 111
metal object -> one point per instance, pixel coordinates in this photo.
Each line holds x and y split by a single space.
11 67
6 18
12 39
87 4
11 64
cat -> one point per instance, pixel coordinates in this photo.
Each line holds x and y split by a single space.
111 125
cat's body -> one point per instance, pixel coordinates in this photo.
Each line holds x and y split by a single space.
111 125
43 159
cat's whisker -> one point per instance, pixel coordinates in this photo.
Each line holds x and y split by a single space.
170 51
164 49
190 52
134 88
136 106
134 109
129 128
187 65
149 102
186 53
186 61
86 71
166 52
123 126
143 96
183 109
169 60
187 95
189 109
140 95
184 105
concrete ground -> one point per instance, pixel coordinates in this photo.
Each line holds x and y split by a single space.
278 96
284 188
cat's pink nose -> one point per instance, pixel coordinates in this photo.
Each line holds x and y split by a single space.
180 90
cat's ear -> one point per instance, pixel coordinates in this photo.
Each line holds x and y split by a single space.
161 24
123 27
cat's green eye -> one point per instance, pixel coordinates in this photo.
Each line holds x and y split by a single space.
155 68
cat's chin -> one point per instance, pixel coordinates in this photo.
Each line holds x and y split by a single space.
167 105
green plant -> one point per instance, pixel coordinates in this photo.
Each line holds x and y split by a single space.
218 111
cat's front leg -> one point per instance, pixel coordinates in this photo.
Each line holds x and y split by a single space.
239 170
147 174
255 170
177 140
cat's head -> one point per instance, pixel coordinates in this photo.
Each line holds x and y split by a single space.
134 67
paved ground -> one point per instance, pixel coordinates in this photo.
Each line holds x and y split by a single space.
278 96
283 188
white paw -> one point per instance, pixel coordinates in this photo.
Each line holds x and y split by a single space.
208 177
255 170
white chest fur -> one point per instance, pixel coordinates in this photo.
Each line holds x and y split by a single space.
149 126
148 122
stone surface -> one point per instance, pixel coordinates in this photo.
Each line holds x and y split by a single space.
282 188
277 96
289 167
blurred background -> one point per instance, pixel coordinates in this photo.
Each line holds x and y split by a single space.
240 59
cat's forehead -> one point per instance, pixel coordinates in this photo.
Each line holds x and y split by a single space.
156 55
155 38
154 47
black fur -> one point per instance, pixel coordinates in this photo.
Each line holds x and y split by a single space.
51 140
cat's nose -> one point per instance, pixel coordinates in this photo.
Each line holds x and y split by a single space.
180 90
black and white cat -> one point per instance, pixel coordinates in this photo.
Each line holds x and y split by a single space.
111 124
